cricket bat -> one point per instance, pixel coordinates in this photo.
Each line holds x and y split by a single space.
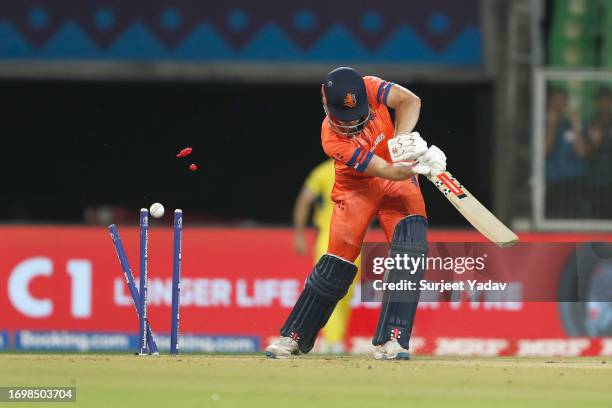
473 211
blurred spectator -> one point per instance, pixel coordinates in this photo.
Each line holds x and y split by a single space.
566 149
599 136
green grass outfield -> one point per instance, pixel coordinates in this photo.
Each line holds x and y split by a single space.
314 381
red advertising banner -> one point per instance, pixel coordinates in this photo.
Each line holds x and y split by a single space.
243 282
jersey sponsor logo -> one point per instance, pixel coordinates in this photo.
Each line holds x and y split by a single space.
452 185
379 139
350 101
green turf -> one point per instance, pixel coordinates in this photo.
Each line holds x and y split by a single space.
253 381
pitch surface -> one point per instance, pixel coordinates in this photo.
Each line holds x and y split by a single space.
253 381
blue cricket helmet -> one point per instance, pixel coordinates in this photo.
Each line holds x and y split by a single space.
345 99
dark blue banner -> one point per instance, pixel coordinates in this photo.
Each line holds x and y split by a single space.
443 32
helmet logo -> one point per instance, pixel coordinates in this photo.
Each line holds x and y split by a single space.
350 101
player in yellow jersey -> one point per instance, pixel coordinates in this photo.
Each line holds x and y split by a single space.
316 193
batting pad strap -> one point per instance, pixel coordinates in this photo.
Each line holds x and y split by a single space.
332 277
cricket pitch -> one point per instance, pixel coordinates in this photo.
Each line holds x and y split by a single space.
104 380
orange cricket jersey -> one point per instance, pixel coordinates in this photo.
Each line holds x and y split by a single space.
359 197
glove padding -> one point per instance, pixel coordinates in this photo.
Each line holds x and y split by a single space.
432 163
405 147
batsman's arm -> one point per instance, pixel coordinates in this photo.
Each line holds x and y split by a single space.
380 168
407 107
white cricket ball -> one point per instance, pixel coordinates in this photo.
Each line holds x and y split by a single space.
156 210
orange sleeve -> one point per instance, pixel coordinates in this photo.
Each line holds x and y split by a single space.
347 151
377 89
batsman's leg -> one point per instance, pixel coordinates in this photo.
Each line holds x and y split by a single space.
333 333
332 275
327 284
399 307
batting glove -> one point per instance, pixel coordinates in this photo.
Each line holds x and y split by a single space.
405 147
432 163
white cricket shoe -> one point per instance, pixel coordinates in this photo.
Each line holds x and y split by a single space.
282 347
391 350
380 353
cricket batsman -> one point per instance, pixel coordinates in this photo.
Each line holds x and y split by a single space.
376 169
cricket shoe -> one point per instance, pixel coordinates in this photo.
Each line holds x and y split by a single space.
391 350
282 347
380 353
